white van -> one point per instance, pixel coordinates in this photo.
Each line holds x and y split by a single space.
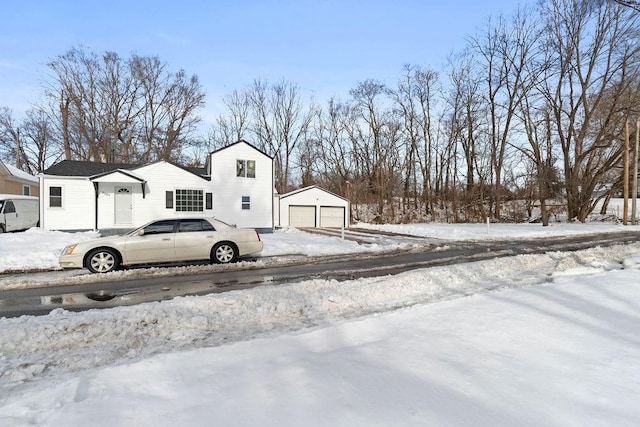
18 212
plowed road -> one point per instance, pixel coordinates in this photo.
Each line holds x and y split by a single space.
42 300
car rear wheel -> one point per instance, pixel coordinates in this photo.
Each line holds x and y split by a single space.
102 261
224 253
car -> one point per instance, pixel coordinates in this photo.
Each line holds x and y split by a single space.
164 241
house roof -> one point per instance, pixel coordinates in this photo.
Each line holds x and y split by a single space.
109 176
17 173
85 168
242 141
95 169
311 187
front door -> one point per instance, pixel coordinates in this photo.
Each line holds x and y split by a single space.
123 205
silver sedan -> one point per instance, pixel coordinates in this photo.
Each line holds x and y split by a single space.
167 240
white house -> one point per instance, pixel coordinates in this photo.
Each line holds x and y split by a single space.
313 207
236 186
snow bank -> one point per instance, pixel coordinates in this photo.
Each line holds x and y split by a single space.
66 341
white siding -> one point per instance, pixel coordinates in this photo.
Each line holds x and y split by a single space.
78 204
78 211
160 177
312 196
228 188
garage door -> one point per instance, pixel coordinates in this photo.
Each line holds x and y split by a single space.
302 216
331 216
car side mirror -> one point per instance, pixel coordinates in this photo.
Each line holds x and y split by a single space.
140 232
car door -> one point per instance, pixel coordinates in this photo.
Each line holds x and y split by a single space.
194 239
10 216
156 244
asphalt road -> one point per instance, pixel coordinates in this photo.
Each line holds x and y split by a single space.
41 300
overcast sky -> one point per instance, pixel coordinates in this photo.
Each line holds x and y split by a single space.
324 46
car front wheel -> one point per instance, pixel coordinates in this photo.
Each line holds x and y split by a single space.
224 253
102 261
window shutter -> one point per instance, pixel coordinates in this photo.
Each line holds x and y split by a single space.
169 199
209 201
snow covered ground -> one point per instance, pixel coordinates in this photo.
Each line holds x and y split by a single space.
538 340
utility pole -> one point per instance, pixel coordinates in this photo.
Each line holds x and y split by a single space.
18 149
625 175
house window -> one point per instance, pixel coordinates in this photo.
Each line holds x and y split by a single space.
246 168
55 197
26 190
246 202
189 201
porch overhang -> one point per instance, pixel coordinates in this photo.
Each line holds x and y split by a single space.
119 176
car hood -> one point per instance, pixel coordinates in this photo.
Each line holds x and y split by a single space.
111 240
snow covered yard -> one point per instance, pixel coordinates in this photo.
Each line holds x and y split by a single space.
536 340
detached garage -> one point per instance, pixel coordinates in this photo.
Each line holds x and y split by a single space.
313 207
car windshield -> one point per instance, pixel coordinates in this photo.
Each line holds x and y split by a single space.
1 205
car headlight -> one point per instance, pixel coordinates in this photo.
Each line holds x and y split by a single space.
68 250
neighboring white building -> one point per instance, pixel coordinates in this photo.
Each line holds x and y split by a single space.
313 207
235 186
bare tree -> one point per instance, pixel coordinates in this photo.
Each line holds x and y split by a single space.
591 57
503 50
280 122
413 98
108 109
37 141
170 104
9 135
467 123
371 149
334 157
233 126
30 144
632 4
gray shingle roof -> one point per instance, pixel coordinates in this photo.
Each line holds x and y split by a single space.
84 168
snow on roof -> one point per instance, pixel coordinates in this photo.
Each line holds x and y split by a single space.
14 171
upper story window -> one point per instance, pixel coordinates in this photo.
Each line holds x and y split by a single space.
246 168
26 190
